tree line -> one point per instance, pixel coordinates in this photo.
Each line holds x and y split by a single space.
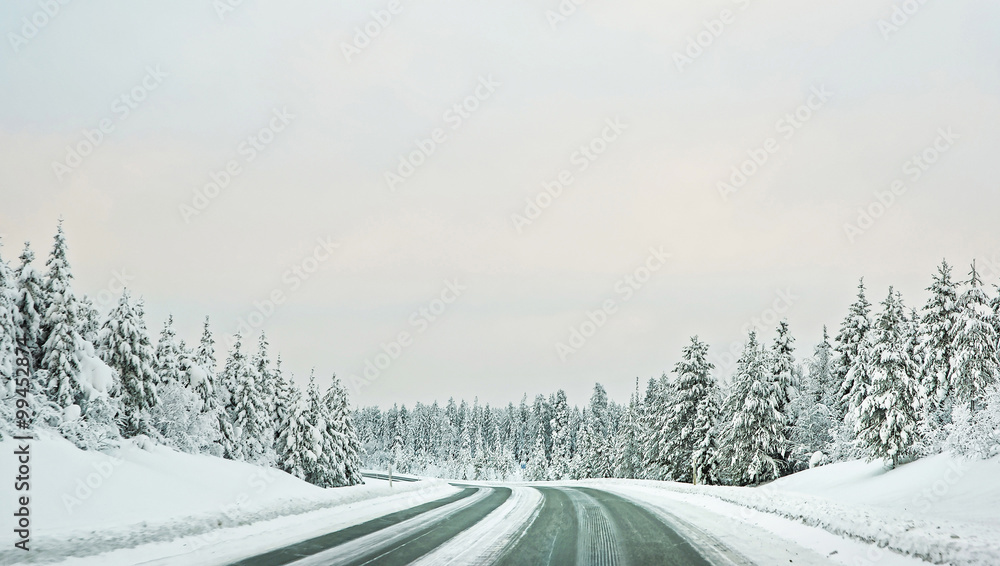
97 380
894 384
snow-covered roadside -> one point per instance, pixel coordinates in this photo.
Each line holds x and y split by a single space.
224 546
740 536
940 541
85 503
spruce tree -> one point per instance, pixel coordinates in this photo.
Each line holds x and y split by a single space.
8 327
346 453
30 306
204 359
939 323
538 465
684 428
266 382
168 355
90 319
124 344
559 463
974 348
296 441
598 428
886 419
227 384
60 328
247 410
849 341
754 428
812 409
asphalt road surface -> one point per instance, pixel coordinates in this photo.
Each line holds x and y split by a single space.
573 526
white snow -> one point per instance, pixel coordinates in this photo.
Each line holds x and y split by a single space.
96 377
85 503
940 486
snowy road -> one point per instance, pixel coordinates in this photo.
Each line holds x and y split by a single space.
506 526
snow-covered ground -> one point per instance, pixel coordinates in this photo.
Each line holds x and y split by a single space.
941 509
85 503
154 505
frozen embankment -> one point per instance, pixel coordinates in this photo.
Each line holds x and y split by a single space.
941 510
143 505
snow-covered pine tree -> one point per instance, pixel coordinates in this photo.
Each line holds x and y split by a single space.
783 365
580 463
812 409
537 468
598 428
8 328
124 344
939 324
849 341
887 417
340 430
60 328
559 463
693 385
168 363
296 440
321 471
786 376
201 375
247 410
628 448
705 459
267 382
660 396
230 437
90 319
30 304
286 395
753 430
974 348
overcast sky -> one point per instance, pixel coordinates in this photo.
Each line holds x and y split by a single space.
199 82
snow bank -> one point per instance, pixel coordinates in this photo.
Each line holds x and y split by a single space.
941 486
84 503
940 509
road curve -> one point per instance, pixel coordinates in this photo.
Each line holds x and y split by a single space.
538 525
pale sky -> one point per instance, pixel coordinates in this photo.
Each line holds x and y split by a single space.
207 83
